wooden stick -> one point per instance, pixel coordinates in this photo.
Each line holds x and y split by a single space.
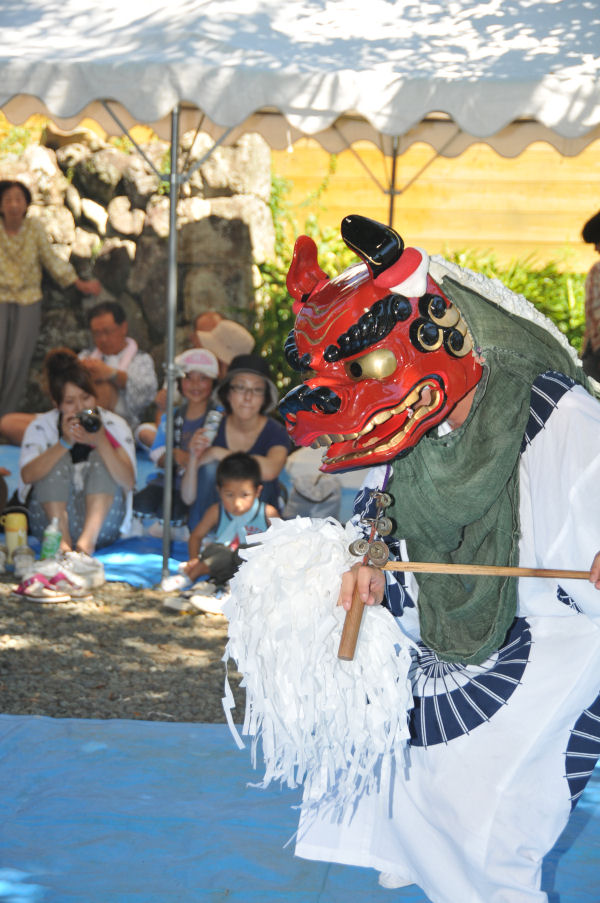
354 615
351 628
490 570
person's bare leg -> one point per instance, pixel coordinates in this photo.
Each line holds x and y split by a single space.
13 426
146 434
97 506
196 569
59 510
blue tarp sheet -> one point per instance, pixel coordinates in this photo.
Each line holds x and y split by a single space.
102 811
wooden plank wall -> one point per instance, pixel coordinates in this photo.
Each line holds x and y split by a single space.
533 205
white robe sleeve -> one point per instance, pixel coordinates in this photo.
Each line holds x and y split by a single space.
560 504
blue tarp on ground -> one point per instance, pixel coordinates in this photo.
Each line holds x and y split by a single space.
124 811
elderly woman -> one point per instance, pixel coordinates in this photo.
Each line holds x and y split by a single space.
78 469
247 393
24 250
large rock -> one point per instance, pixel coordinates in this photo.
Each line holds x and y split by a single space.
83 250
98 175
244 168
49 184
113 264
214 238
58 223
140 181
256 215
148 281
225 287
71 156
123 220
95 214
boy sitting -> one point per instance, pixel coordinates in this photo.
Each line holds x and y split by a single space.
237 516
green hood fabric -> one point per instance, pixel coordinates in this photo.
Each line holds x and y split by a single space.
456 497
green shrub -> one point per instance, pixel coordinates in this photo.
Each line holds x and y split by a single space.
558 295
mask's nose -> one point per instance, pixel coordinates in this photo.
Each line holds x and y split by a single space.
303 398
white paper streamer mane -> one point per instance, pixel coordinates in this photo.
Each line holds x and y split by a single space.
494 290
322 721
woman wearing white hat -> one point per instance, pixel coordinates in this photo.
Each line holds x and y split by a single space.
198 370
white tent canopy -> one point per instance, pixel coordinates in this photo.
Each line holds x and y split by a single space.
448 72
444 71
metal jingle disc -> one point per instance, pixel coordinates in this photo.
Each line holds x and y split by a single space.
359 547
378 553
385 499
384 526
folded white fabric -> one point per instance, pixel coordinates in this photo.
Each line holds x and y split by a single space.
321 720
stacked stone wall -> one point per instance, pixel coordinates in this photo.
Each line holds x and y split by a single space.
107 211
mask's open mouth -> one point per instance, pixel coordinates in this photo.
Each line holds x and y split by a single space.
386 430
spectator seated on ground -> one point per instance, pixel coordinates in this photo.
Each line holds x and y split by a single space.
225 338
124 379
198 375
77 462
247 393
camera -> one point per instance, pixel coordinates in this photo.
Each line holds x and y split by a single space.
90 420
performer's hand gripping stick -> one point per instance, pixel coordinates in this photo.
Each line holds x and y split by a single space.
374 553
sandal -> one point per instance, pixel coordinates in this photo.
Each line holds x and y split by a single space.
63 583
37 588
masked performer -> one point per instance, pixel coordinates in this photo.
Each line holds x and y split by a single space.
478 421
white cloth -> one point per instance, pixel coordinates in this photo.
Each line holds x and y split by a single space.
315 714
490 777
42 433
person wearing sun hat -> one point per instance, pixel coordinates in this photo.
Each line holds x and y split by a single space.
248 394
226 340
197 375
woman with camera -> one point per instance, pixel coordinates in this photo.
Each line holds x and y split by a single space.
77 462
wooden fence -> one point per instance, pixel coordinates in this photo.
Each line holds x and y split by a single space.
533 205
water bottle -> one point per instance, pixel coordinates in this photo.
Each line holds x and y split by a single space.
51 539
212 421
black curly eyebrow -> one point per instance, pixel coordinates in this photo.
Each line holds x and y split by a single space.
371 327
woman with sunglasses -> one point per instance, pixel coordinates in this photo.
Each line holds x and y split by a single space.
248 394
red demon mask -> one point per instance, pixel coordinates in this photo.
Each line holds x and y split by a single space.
383 353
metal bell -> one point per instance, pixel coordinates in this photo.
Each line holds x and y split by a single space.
359 547
384 526
378 553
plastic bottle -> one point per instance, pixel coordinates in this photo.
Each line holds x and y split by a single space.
51 539
212 421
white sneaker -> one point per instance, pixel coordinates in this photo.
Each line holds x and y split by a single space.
89 569
174 583
211 604
391 881
180 603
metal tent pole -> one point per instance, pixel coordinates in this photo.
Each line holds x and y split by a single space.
170 349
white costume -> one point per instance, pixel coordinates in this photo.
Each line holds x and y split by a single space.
501 751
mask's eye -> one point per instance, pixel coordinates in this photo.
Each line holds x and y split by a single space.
376 365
